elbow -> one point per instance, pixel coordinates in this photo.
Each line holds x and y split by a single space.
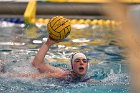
34 64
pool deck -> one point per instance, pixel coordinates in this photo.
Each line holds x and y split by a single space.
49 9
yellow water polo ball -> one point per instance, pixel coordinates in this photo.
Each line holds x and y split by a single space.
59 28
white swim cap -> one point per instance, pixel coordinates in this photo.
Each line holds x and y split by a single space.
77 55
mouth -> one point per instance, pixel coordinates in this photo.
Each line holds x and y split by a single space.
81 69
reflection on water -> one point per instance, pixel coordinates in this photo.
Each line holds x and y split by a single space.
19 44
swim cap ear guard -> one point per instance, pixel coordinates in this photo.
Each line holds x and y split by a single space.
72 59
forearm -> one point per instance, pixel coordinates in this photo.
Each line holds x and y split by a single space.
39 58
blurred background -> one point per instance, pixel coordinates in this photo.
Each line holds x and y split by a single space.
23 31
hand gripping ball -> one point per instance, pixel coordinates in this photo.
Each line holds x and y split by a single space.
59 28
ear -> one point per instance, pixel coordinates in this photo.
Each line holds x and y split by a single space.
71 60
71 66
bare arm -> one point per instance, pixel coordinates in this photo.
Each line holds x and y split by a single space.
35 75
38 61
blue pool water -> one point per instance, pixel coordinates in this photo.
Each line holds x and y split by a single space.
19 44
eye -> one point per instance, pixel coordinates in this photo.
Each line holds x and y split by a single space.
77 60
85 61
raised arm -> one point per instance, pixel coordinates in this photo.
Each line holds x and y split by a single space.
38 61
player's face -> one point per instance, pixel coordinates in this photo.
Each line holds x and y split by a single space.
80 66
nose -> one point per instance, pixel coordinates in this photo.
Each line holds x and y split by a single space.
81 62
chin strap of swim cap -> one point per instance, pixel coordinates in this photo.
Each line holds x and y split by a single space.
77 55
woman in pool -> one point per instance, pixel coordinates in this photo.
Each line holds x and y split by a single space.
79 65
